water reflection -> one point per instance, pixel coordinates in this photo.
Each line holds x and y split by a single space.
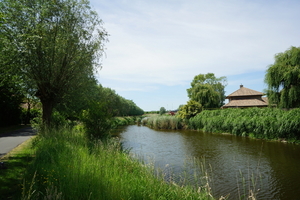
237 163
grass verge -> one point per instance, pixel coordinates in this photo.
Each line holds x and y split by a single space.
16 163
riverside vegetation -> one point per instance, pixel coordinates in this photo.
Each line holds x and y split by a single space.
67 165
262 123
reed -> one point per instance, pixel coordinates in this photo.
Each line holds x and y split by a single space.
69 166
266 123
163 122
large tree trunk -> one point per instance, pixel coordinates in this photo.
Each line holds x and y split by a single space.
47 111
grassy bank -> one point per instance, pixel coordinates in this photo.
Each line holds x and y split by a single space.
68 166
264 123
16 163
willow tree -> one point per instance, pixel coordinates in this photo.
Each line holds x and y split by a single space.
283 79
56 45
208 90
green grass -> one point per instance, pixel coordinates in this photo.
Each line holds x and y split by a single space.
68 166
11 178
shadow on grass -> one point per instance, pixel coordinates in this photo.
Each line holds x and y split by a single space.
12 174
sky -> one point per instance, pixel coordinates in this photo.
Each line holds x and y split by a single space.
157 47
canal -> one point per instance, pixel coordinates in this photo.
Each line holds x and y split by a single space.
236 166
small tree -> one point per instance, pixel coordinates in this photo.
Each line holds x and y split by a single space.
283 79
96 120
208 90
162 110
191 109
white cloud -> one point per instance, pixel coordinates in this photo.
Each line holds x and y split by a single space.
169 42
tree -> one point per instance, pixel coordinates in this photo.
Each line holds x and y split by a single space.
191 109
208 90
283 79
162 110
56 44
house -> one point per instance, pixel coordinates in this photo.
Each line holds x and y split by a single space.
245 98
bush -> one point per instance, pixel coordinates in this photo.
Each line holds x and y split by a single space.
97 120
191 109
27 116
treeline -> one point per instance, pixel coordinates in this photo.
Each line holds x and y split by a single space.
14 95
118 105
266 123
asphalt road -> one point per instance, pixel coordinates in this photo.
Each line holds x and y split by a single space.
9 141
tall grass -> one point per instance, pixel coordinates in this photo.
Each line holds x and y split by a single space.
267 123
69 166
164 122
123 121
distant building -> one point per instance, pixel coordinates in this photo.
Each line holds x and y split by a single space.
245 98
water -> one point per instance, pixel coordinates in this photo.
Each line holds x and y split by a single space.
235 165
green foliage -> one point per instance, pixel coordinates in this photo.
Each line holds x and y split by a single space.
282 79
163 122
26 116
162 110
208 90
117 105
68 166
96 120
54 44
191 109
267 123
78 99
123 121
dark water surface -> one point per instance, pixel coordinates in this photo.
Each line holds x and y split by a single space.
235 165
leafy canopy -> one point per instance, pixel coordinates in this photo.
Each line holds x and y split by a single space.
283 79
208 90
56 44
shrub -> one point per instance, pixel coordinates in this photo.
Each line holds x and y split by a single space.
191 109
97 120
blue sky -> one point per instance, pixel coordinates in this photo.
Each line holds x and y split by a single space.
156 47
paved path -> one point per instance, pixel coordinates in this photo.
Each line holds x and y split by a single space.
9 141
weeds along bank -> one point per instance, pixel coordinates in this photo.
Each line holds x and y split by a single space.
163 122
265 123
69 166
